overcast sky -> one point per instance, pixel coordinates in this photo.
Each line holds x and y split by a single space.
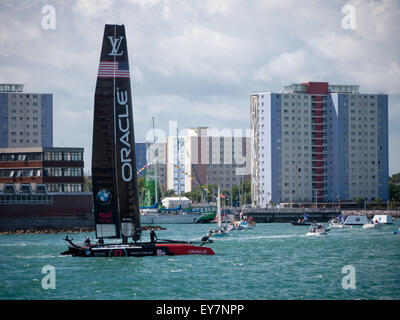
198 61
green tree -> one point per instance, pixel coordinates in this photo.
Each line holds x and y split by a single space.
394 187
170 193
360 201
87 183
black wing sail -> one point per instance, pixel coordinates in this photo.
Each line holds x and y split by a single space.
115 192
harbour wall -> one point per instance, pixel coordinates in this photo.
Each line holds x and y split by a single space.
51 224
269 215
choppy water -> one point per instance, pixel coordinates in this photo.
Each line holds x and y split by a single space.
274 261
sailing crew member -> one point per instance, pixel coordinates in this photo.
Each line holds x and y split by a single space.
100 242
87 241
153 236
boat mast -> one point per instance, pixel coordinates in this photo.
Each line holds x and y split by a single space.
156 165
179 167
219 208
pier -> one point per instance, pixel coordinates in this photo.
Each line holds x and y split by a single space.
269 215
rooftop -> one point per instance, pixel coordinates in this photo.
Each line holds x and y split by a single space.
332 88
11 87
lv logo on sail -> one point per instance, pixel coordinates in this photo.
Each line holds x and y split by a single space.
115 43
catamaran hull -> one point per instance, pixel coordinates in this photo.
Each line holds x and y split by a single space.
138 250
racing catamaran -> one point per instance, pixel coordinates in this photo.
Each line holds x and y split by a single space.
115 189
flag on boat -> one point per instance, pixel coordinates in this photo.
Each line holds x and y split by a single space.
110 69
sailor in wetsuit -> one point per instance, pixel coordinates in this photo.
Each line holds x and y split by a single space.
87 241
153 237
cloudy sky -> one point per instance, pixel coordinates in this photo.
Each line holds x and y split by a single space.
197 61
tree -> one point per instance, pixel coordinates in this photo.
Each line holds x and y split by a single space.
170 193
87 183
394 187
359 200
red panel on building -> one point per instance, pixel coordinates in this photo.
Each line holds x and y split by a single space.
317 87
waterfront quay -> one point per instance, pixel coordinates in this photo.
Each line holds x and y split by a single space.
269 215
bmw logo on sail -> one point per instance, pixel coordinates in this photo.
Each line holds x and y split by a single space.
104 197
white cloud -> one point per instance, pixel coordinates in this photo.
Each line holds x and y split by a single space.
198 61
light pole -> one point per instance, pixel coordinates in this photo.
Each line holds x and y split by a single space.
338 199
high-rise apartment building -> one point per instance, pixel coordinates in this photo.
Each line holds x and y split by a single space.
316 142
207 156
26 119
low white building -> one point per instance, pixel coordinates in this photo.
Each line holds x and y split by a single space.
174 202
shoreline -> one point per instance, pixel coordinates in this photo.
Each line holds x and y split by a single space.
53 230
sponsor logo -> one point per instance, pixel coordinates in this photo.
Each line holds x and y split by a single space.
197 251
104 197
115 43
357 219
125 133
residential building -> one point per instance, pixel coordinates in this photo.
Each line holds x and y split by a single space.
26 119
206 157
316 142
42 182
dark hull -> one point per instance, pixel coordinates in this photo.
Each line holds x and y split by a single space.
300 223
137 250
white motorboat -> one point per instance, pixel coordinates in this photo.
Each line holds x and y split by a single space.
317 230
373 225
236 226
338 223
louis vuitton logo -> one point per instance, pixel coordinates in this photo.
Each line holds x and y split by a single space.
115 43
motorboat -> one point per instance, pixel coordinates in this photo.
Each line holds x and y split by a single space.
219 232
317 230
301 222
373 225
338 223
235 226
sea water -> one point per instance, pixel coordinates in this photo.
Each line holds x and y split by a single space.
273 261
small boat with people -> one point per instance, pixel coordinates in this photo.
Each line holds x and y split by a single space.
338 222
235 226
317 229
301 222
373 225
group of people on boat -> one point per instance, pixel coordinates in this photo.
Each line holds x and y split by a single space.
249 221
99 242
